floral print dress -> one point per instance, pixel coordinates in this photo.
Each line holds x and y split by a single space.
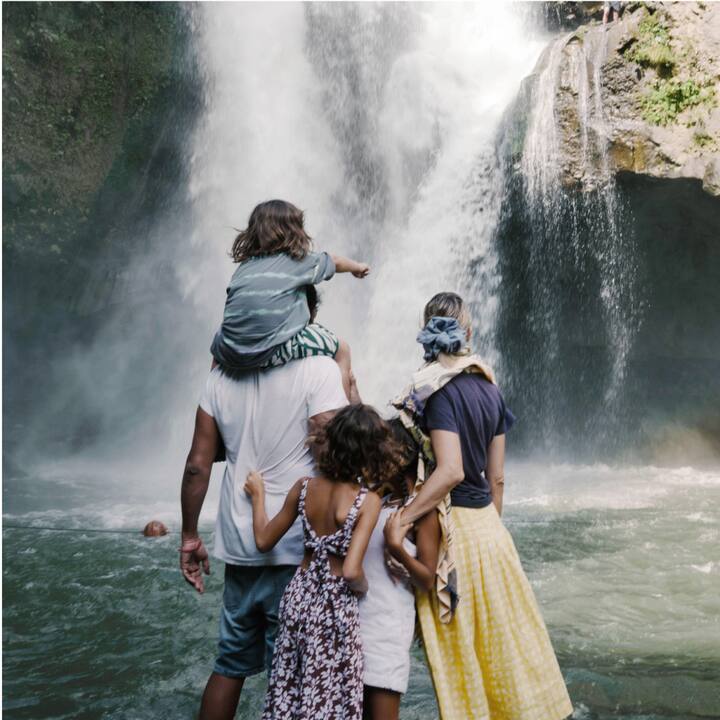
317 669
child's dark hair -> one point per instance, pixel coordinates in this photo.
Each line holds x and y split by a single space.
408 446
275 226
359 445
313 301
408 456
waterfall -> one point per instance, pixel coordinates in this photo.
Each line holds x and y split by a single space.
568 330
379 120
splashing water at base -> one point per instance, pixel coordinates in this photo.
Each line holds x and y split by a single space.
623 561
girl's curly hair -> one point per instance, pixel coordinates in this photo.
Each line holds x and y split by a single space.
359 445
275 226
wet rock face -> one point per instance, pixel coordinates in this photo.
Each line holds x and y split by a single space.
569 15
657 73
608 241
98 100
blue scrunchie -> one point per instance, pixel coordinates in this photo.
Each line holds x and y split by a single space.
441 335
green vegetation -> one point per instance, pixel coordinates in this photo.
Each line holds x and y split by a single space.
669 97
80 81
678 85
703 140
652 45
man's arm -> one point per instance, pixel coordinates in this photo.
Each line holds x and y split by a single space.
447 474
195 481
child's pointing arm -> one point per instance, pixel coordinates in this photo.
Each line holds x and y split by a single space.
344 265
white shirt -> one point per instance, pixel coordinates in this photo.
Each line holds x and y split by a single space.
263 420
387 616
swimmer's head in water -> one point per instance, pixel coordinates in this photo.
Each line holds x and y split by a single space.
155 529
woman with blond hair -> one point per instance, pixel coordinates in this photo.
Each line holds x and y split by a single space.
489 652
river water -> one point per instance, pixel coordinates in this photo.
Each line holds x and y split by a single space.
381 121
624 563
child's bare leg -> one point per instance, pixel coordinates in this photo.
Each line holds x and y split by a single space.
343 358
379 704
220 699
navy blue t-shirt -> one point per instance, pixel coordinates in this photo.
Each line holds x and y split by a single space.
472 407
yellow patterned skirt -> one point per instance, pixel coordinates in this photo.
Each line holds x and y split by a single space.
494 660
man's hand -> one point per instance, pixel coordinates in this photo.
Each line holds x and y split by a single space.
194 561
361 270
255 485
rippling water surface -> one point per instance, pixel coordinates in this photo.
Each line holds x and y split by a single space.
625 564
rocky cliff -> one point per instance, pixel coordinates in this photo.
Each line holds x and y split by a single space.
97 102
609 239
660 83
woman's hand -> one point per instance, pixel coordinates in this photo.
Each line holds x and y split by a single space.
255 485
395 532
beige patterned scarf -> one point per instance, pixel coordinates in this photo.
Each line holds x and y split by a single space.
411 405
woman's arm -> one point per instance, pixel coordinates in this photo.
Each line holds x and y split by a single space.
268 532
344 265
353 563
495 470
447 474
422 569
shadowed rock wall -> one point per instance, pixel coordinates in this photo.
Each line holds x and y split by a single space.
97 100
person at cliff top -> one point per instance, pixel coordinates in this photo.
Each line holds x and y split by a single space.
487 646
267 321
615 7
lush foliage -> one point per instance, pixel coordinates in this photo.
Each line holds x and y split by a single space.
652 47
670 97
79 83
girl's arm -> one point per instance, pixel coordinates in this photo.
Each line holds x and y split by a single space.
344 265
495 470
268 532
447 474
422 569
353 563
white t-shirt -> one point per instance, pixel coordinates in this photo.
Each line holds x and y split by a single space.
263 420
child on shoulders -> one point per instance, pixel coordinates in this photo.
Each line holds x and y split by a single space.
267 321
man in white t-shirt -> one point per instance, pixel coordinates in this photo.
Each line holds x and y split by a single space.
263 418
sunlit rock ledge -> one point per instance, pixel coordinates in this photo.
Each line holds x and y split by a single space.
660 86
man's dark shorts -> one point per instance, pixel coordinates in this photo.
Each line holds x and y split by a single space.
249 619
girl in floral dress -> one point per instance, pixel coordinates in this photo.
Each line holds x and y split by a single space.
317 669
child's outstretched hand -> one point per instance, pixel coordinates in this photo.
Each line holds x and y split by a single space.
362 270
255 485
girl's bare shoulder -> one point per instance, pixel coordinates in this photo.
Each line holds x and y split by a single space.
372 503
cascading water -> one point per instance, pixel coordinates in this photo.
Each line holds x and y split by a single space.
389 124
569 240
383 125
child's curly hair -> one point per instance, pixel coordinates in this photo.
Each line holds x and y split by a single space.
275 226
359 445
